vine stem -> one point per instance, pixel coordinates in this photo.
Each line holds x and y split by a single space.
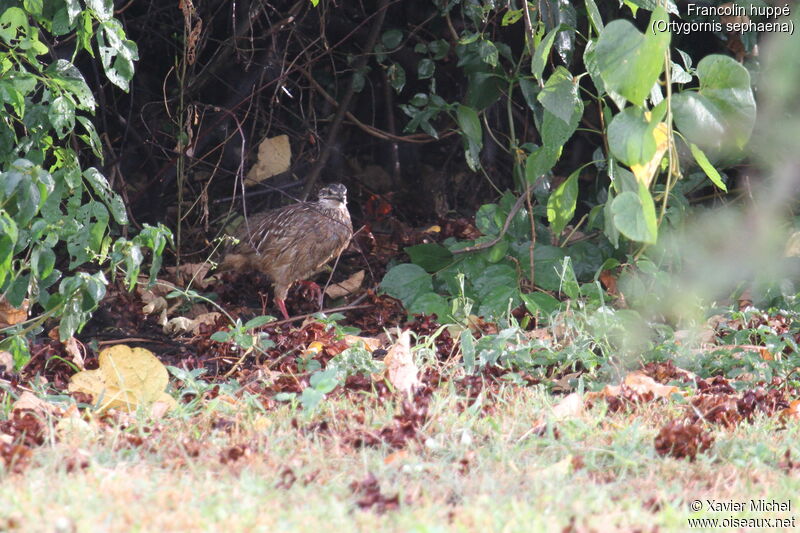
670 136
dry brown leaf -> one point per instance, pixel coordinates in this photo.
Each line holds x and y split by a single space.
194 273
6 361
348 286
27 401
571 406
370 343
791 412
393 457
73 348
155 305
400 367
539 334
127 378
11 316
178 325
639 383
274 157
73 429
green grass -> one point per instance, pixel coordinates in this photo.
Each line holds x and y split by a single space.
469 472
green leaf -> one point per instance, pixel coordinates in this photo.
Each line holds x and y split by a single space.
707 167
594 15
496 303
540 302
311 398
65 75
468 350
34 7
469 123
391 39
635 216
471 130
42 261
439 49
609 228
499 275
547 261
220 336
561 204
629 61
103 9
324 381
541 53
258 321
91 138
425 68
405 282
497 252
563 108
13 25
431 256
62 116
488 53
630 136
540 162
397 77
430 303
18 290
117 53
511 16
722 109
112 200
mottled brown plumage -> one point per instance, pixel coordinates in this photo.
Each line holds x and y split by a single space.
294 242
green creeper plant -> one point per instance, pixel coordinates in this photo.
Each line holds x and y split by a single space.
56 213
664 126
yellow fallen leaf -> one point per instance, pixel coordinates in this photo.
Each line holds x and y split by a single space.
127 378
313 349
644 173
274 157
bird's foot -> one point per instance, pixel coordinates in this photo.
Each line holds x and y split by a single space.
282 307
309 290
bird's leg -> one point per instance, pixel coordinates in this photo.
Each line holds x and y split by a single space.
282 307
313 289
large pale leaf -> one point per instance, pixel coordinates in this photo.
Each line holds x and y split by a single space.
635 216
630 61
722 113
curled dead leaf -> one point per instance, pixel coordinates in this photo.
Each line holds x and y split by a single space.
571 406
370 343
400 367
27 401
639 383
6 361
10 315
348 286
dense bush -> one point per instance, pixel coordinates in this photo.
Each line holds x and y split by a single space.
56 212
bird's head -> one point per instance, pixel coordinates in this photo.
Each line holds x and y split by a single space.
334 193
